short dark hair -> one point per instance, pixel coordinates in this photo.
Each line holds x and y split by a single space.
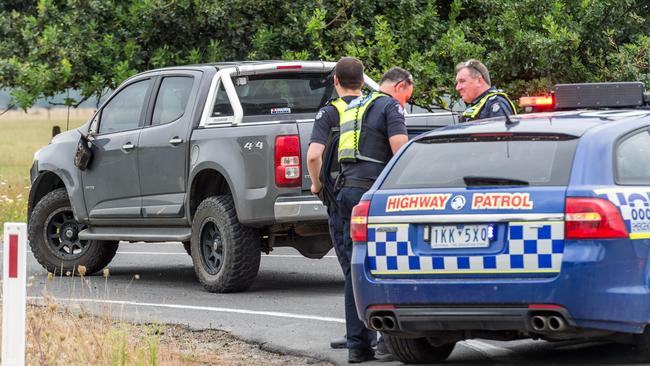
395 75
349 72
476 69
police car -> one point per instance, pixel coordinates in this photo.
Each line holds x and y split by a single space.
536 226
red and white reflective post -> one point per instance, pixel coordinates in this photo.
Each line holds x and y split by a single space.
14 288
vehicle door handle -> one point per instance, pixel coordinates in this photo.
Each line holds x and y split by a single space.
176 140
128 146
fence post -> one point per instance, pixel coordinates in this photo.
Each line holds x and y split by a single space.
14 289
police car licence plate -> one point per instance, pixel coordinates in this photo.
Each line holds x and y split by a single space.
457 236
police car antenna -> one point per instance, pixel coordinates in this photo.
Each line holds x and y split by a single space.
509 121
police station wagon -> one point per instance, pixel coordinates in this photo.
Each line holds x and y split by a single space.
537 226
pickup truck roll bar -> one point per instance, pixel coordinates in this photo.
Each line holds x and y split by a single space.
225 76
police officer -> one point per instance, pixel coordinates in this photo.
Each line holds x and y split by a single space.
482 99
372 129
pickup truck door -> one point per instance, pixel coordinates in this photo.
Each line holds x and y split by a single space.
163 148
111 183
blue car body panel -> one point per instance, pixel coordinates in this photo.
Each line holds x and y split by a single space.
602 284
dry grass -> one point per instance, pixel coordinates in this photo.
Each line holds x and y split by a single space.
61 336
21 135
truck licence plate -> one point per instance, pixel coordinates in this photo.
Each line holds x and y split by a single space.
457 236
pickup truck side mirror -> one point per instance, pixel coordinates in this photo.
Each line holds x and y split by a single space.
56 130
83 154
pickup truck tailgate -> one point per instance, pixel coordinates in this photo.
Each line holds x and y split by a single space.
304 130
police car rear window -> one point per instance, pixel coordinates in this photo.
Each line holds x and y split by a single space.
484 160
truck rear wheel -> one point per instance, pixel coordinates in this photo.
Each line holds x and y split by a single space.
53 238
417 350
225 253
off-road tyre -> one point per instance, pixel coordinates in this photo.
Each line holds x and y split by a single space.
642 343
95 254
231 264
417 350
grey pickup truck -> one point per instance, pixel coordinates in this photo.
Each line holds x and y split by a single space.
212 156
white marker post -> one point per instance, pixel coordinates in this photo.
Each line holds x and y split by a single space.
14 289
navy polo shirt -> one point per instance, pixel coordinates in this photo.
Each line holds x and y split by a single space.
496 106
385 115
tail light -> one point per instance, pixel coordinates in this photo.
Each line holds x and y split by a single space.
593 218
359 222
287 161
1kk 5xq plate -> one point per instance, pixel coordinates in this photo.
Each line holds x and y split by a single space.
457 236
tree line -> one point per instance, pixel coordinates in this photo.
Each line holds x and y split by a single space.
49 46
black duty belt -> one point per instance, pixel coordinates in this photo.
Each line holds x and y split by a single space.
357 183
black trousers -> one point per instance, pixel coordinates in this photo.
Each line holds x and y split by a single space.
358 335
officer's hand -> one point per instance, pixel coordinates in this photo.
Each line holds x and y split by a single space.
316 188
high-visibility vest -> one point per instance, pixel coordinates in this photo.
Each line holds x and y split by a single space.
472 111
351 122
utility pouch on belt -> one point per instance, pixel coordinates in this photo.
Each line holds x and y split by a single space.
340 182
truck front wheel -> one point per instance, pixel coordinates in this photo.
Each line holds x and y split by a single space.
417 350
53 238
225 253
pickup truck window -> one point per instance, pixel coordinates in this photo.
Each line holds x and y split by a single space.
124 111
172 99
277 94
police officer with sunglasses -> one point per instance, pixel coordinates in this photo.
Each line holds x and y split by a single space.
482 99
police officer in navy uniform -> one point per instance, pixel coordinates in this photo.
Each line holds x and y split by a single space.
372 129
482 99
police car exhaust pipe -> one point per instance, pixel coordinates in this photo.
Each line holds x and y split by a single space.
389 322
376 322
539 323
556 323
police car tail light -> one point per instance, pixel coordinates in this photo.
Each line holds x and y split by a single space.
593 218
287 161
359 221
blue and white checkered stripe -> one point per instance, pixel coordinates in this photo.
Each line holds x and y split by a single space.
533 247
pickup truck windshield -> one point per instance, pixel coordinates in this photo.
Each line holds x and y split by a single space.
277 94
487 161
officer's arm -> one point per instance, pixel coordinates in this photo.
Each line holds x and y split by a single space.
314 162
397 141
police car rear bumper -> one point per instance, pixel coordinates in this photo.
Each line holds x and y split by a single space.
602 284
299 208
422 319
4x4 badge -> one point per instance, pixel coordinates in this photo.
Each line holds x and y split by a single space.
458 202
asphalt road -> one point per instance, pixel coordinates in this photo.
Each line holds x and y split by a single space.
295 306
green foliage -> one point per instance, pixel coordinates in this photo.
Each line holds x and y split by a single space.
49 46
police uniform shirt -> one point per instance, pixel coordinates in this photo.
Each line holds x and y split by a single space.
326 119
385 115
496 106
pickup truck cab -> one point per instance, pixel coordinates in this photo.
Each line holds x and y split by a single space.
208 155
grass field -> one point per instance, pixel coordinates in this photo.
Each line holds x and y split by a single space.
22 134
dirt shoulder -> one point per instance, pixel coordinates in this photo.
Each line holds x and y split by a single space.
60 336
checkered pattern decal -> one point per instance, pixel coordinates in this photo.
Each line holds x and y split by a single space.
533 247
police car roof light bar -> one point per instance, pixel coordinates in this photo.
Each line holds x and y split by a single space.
536 101
598 95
